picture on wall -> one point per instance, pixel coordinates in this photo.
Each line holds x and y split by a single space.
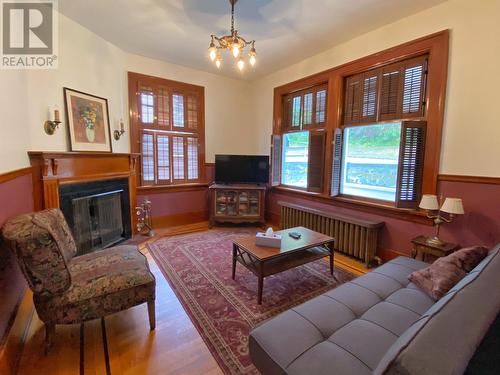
88 121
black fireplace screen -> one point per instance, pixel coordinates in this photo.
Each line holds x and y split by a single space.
98 213
98 220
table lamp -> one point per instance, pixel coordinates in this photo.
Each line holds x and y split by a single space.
451 206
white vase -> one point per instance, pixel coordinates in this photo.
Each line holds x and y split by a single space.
90 133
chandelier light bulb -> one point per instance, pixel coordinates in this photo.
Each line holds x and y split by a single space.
241 64
253 55
212 53
218 63
253 60
236 50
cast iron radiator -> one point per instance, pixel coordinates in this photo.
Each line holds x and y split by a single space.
354 237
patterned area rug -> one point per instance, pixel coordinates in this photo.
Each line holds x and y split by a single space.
198 267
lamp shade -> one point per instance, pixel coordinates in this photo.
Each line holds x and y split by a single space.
453 206
429 202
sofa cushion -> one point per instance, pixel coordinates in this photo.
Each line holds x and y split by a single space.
383 286
319 312
393 318
398 272
413 299
103 282
327 358
410 263
357 298
282 340
365 340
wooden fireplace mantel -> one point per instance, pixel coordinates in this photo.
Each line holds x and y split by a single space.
52 169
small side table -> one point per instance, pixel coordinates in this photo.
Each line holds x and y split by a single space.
421 245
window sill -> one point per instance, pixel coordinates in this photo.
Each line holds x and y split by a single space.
157 189
370 207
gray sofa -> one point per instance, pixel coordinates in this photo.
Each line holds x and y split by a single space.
380 323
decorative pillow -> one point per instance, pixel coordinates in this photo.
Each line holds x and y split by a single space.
469 257
444 273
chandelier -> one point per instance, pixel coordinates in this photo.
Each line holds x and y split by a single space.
235 43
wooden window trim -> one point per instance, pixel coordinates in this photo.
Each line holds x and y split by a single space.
172 87
436 46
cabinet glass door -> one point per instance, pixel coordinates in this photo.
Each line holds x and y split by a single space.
226 203
253 203
248 203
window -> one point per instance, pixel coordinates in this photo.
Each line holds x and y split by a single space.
370 161
374 152
377 151
301 148
295 155
167 125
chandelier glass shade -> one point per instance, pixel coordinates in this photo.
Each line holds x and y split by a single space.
233 43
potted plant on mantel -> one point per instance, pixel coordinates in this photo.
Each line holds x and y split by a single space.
89 116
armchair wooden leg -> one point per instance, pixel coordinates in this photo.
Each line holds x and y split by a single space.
50 331
152 314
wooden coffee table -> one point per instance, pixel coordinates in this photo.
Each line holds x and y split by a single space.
265 261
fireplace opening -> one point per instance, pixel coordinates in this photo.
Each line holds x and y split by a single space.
98 213
98 220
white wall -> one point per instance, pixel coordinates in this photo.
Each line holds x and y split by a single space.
90 64
14 119
471 138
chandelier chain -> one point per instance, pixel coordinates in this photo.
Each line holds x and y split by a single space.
232 17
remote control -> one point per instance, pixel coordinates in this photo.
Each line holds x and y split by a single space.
294 235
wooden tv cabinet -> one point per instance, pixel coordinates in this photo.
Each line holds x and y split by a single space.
237 204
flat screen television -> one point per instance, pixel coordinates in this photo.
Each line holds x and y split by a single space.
241 169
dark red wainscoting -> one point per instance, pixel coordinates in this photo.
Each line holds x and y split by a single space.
16 197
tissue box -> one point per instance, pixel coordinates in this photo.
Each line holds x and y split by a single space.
272 240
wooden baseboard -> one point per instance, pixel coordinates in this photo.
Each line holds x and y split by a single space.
180 219
11 350
389 254
273 218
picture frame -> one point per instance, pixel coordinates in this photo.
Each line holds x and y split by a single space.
87 116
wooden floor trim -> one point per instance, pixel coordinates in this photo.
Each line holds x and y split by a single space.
11 350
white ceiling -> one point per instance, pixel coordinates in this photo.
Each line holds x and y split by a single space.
286 31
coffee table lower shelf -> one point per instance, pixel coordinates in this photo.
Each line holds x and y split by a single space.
267 267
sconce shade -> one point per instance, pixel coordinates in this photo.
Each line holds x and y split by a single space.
453 206
429 202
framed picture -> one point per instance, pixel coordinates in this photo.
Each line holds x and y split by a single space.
88 121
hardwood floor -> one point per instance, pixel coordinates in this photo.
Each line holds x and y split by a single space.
123 344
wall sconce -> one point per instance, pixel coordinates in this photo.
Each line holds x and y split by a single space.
118 133
435 209
53 122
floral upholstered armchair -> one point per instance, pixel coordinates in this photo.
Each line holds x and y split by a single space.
68 289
